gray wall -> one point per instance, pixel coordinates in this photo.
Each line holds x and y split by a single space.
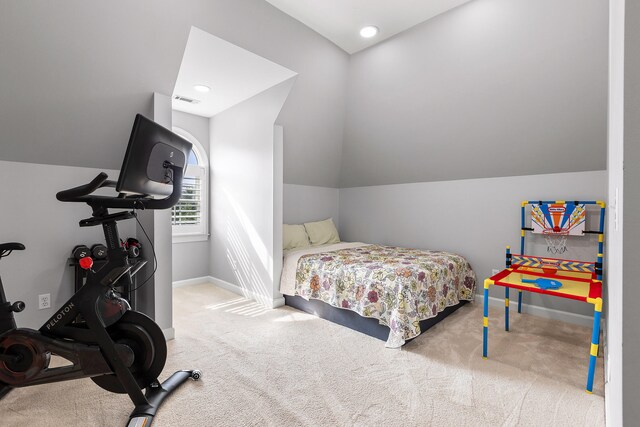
476 218
84 68
303 203
49 229
196 125
244 214
631 261
191 259
491 88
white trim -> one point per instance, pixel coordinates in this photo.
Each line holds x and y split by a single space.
187 238
613 361
278 210
169 334
267 302
261 299
191 282
547 313
192 139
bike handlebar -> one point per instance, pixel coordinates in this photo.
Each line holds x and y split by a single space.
82 193
82 190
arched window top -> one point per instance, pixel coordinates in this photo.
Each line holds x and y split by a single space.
189 216
198 155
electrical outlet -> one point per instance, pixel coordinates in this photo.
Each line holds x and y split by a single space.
44 301
495 271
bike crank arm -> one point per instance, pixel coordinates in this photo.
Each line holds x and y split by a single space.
86 360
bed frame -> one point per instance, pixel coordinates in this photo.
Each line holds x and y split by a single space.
353 320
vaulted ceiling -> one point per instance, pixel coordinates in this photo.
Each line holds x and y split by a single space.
341 20
229 73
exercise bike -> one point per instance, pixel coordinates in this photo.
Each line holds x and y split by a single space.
121 350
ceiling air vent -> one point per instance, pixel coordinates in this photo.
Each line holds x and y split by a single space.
185 99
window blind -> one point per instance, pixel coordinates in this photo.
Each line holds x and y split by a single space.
188 211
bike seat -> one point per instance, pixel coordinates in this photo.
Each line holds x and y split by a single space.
13 246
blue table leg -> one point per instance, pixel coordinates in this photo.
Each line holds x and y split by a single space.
519 301
485 318
506 309
595 338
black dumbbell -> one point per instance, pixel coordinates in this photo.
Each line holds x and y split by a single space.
133 247
134 251
80 251
99 251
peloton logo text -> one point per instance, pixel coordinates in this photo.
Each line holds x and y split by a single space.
61 314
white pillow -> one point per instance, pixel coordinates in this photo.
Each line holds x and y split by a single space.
322 232
294 236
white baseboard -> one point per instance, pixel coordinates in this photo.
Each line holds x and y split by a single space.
169 333
547 313
261 299
189 282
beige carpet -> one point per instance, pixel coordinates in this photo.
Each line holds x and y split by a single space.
283 367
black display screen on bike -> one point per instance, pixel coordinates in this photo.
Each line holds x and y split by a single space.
151 146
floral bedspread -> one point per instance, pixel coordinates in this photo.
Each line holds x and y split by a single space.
397 286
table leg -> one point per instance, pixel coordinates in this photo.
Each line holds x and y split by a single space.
506 309
519 301
485 318
595 338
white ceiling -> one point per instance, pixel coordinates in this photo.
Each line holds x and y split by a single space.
234 74
341 20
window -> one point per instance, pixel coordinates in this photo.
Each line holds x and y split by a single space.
189 217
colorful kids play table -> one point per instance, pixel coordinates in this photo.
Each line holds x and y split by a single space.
581 280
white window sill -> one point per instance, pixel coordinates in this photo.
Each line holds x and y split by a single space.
187 238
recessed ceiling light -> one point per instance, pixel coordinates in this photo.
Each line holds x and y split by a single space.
202 88
368 31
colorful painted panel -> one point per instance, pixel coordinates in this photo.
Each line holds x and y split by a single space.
559 264
558 218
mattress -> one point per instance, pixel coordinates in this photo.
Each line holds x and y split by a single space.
397 286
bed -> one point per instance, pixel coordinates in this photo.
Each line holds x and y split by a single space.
390 293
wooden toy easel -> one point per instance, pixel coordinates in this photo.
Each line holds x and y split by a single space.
581 280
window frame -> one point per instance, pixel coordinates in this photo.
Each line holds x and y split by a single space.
200 232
